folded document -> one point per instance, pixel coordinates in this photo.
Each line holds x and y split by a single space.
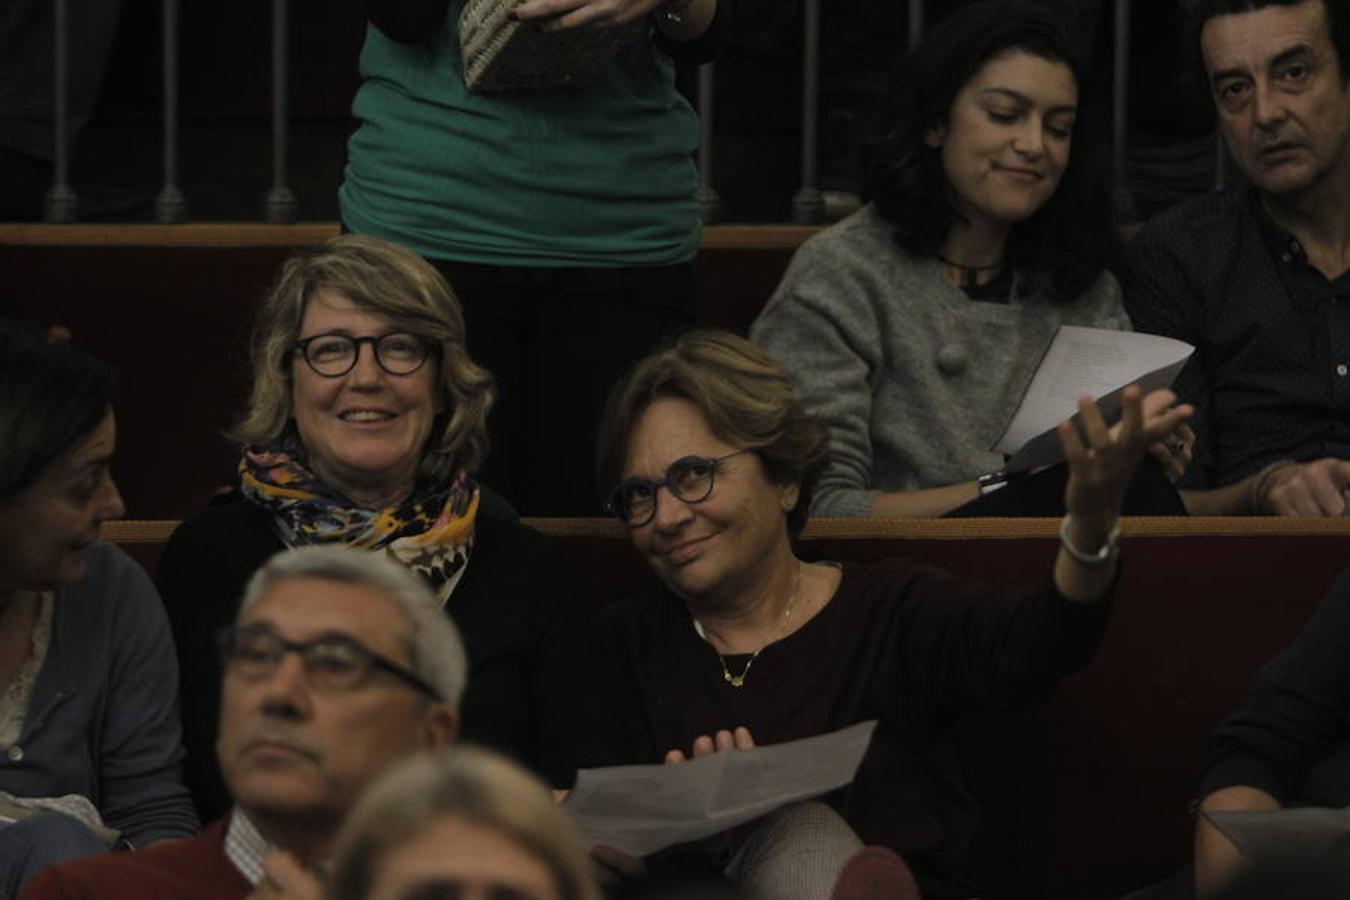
1096 361
643 809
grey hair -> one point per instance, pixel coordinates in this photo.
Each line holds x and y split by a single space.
434 646
472 785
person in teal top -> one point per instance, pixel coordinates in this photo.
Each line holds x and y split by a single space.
565 220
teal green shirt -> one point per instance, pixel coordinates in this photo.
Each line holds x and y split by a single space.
599 177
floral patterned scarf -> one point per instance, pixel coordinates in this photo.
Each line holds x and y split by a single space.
431 532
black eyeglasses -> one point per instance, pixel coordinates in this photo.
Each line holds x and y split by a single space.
334 355
332 662
689 478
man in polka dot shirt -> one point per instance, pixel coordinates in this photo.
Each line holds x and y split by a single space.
1257 277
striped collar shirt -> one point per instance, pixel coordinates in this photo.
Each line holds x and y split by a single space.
245 847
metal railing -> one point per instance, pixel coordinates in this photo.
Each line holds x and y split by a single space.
62 204
170 203
808 205
280 205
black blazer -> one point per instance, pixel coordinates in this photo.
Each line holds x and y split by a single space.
516 609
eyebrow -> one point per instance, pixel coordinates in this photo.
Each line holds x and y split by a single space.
327 635
1292 53
1019 97
1284 56
95 463
352 333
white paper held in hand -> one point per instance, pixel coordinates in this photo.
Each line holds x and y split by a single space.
1096 361
642 809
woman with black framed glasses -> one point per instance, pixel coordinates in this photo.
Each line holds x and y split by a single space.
715 459
364 427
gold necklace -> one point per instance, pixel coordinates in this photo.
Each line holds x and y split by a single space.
739 680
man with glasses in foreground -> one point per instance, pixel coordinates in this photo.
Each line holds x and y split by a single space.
339 664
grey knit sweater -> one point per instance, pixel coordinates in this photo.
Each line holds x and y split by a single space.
913 378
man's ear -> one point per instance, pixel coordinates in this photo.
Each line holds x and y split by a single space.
788 495
935 135
440 726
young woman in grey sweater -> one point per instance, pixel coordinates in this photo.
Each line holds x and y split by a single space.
913 326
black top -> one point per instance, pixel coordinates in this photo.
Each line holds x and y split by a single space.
1292 739
909 646
1270 377
515 608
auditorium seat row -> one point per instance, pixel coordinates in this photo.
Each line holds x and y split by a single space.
1090 796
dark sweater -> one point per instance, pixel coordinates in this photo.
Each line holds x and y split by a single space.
907 645
1292 739
101 722
189 869
1269 332
515 608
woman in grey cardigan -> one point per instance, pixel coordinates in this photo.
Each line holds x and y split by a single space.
90 747
913 326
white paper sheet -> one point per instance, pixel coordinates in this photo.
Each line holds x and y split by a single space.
643 809
1288 836
1292 854
1096 361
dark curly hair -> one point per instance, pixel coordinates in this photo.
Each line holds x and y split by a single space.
51 397
1067 243
1338 24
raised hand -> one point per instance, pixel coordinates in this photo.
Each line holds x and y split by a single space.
1103 459
1101 463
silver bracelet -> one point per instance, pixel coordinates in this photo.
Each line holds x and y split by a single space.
991 481
1105 553
672 12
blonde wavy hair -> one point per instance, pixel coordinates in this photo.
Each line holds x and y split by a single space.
745 397
392 281
466 783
